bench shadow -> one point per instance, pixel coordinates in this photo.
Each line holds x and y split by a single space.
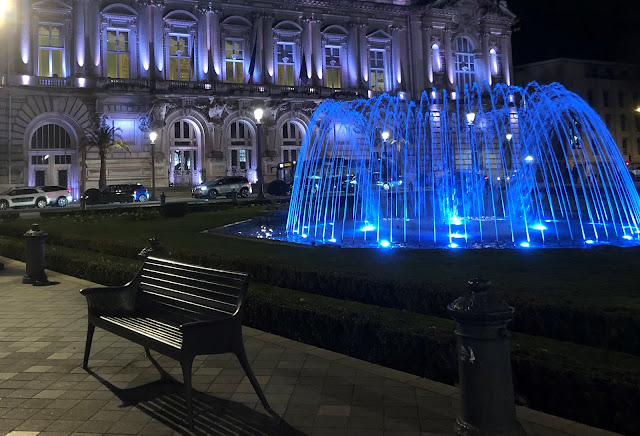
164 401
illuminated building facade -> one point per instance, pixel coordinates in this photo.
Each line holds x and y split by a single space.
194 71
611 89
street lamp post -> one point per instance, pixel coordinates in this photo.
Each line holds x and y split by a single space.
152 136
258 114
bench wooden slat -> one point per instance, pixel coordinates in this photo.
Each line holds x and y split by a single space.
190 291
149 327
223 291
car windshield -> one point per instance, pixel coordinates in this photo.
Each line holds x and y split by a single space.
6 191
104 188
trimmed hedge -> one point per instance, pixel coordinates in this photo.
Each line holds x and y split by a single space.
596 387
616 330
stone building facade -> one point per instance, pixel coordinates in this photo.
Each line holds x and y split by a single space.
194 71
611 89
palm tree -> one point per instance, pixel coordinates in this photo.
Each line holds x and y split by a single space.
105 138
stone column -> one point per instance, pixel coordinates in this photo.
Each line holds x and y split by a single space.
448 59
307 49
364 56
505 48
316 54
145 33
79 33
353 56
426 44
202 73
24 20
268 48
157 43
214 38
93 60
486 58
258 39
396 58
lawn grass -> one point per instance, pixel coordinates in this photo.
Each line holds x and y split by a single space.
604 277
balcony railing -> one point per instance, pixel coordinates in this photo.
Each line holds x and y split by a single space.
53 81
189 87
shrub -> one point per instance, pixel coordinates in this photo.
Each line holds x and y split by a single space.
174 210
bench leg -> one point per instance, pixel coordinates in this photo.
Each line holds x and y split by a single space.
87 348
242 357
186 374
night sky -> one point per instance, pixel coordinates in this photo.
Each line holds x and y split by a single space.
607 30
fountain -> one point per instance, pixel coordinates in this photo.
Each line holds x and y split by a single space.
501 167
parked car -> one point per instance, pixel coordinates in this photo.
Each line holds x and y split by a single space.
634 169
123 193
386 184
223 186
23 197
57 195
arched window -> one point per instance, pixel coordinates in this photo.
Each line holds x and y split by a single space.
50 136
465 62
184 154
291 140
241 149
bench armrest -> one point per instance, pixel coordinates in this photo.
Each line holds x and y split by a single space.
110 299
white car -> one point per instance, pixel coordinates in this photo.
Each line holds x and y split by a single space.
57 195
39 197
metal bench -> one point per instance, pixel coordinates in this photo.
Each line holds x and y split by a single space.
178 310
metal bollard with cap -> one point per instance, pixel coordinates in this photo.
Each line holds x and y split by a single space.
163 199
486 385
35 274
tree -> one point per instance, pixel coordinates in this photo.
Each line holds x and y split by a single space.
105 138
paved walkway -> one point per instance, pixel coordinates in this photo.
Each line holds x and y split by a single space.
44 390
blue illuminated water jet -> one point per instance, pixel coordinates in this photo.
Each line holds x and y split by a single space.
501 167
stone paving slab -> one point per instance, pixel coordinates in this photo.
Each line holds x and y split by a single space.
45 392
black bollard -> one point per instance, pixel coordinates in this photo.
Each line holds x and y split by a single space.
163 199
154 249
486 385
83 203
35 274
234 197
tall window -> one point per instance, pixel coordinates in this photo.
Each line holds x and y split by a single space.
50 136
590 97
607 121
605 98
333 73
625 150
50 50
179 57
285 64
291 141
638 146
623 122
620 99
234 60
118 53
465 62
376 70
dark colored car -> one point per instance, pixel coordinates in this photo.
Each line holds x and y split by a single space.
223 186
123 193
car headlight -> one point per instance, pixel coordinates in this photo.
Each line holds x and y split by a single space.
203 188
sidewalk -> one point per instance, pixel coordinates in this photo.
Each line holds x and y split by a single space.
44 390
